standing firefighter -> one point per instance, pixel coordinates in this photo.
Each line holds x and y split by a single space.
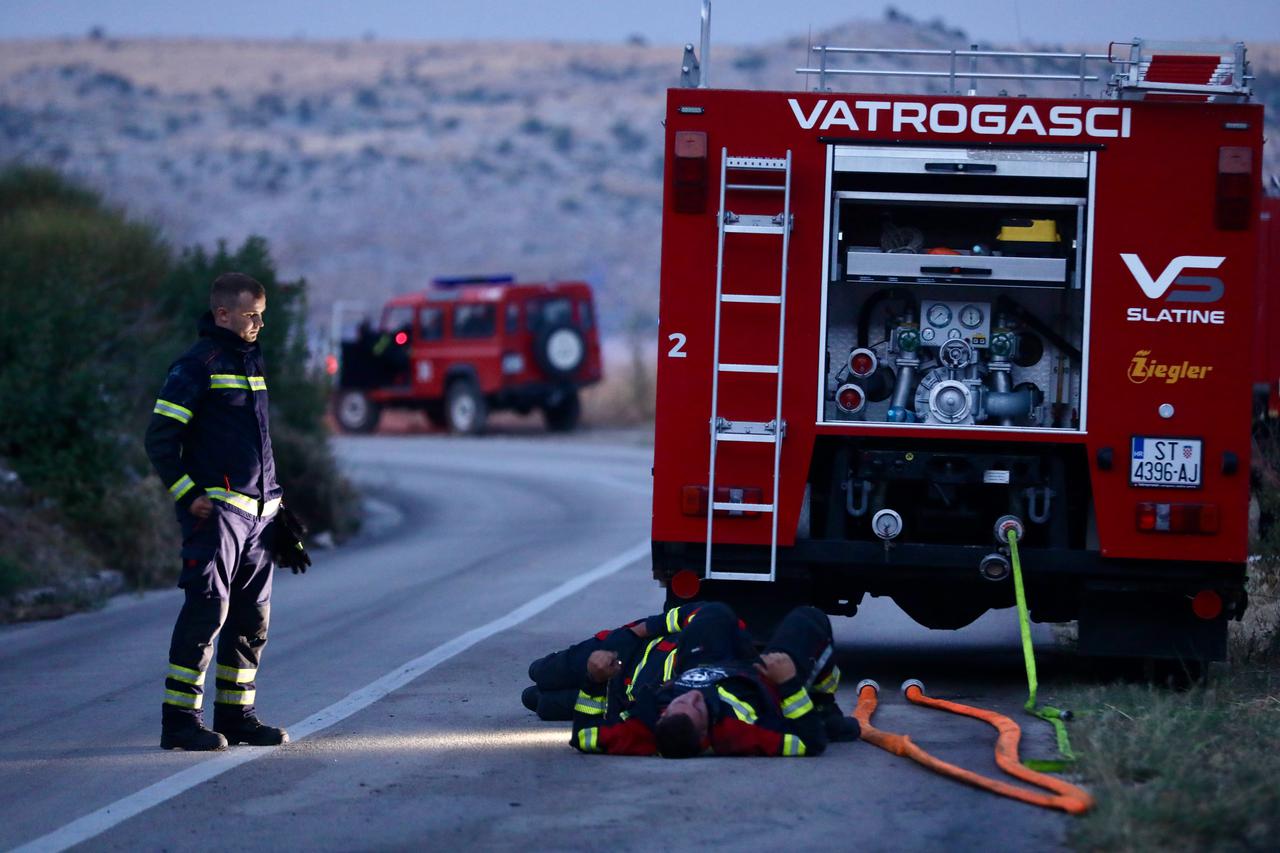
209 439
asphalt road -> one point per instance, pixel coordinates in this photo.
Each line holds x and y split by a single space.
399 659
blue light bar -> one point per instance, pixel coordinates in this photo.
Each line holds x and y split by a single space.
460 280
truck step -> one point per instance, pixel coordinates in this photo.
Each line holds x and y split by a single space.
747 297
757 164
735 507
748 368
739 576
751 224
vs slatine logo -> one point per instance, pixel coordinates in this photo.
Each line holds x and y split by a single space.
1172 287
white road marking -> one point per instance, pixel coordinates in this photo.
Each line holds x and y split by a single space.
98 822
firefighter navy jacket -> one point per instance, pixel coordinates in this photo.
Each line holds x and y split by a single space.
747 714
209 432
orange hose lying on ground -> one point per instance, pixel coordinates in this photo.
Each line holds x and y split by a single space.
1067 797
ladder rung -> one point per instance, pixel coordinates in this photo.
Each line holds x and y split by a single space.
740 228
746 297
743 436
749 368
733 507
757 164
738 576
755 187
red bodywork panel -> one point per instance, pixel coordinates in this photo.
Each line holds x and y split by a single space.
1266 343
1154 196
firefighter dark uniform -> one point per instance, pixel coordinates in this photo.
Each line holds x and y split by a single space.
209 435
650 659
747 713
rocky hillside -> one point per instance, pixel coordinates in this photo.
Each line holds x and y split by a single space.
372 166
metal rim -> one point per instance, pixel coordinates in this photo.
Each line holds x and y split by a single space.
353 409
565 349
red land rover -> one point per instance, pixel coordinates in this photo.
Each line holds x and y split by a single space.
468 346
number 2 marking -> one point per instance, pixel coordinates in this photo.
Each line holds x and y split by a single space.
677 349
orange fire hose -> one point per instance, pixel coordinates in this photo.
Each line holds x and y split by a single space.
1066 797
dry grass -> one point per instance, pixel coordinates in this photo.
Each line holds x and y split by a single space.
1194 769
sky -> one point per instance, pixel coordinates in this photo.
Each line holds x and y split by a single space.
1088 23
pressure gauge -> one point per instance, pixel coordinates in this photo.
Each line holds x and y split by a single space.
971 316
939 315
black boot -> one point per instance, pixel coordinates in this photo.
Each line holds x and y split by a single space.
185 730
245 727
529 697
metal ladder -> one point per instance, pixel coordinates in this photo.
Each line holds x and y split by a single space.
762 432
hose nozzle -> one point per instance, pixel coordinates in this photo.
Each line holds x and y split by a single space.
1004 524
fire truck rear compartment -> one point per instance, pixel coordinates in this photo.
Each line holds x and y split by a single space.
956 279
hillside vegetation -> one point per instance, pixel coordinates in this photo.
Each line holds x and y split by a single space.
376 165
96 306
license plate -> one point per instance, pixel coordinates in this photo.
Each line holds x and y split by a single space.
1170 463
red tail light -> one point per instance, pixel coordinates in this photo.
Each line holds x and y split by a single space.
1207 604
690 172
685 584
1176 518
1233 210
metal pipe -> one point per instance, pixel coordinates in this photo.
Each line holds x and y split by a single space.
982 75
705 58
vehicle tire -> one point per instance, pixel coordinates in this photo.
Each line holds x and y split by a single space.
355 412
465 409
560 351
564 415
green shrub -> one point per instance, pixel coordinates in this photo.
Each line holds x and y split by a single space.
95 308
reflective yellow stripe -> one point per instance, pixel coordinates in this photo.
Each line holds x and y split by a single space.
589 740
792 746
669 665
673 620
589 704
244 502
235 697
235 380
797 704
239 676
643 660
228 380
181 414
180 488
830 683
186 675
194 701
743 711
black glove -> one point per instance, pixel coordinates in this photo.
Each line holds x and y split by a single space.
287 546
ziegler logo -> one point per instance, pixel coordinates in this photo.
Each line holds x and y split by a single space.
1173 287
1144 367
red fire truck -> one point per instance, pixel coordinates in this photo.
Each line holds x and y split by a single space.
893 326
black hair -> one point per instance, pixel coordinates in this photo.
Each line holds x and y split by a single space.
226 289
677 736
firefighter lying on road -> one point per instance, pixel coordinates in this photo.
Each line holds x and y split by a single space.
721 698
